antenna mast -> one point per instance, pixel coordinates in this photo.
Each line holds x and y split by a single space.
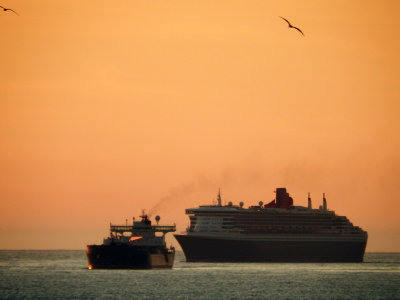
219 197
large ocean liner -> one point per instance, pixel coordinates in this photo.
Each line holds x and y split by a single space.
274 232
135 246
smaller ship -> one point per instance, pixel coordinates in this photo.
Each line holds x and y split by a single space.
137 246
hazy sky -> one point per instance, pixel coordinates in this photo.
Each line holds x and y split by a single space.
111 107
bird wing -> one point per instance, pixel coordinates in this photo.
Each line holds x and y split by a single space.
14 11
298 30
286 21
5 9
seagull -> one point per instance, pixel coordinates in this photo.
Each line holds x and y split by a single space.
5 9
291 26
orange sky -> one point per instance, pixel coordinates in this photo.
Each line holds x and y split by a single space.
108 108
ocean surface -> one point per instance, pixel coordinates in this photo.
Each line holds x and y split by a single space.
63 274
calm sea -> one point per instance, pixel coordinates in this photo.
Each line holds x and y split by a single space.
64 275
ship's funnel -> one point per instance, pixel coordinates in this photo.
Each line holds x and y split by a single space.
283 200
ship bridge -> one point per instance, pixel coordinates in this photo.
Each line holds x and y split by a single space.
142 228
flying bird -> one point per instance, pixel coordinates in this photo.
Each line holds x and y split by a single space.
5 9
291 26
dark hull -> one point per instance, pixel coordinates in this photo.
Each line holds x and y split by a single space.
128 257
204 249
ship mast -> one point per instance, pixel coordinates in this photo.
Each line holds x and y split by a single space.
219 197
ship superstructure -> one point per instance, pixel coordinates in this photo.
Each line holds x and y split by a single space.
277 231
137 246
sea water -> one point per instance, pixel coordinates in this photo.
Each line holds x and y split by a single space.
64 274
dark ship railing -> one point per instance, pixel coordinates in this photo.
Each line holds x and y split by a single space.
130 228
